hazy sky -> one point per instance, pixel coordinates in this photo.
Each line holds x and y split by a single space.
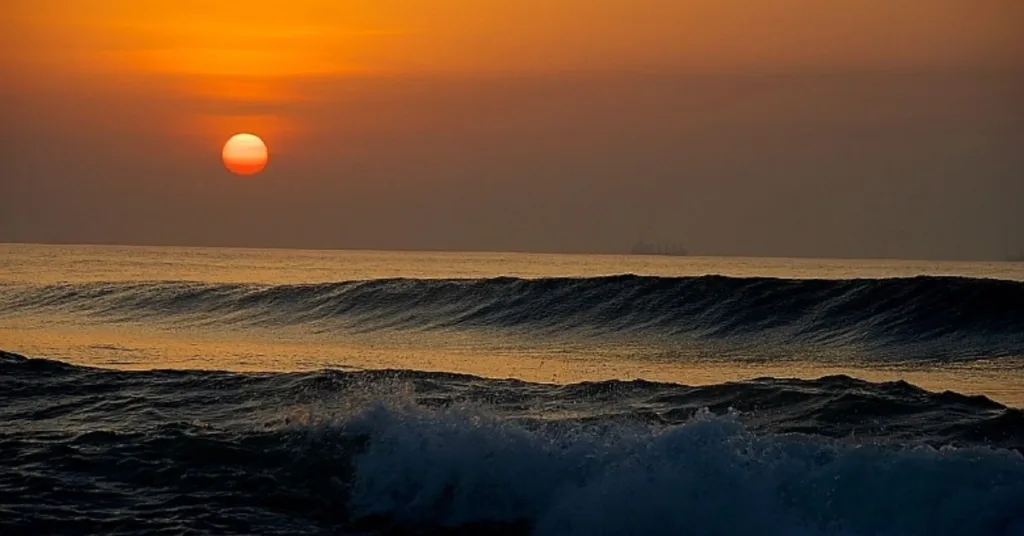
883 128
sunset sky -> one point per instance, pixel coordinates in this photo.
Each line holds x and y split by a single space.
888 128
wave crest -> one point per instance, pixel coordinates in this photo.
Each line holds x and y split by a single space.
958 312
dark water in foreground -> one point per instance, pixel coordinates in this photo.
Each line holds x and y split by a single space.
94 451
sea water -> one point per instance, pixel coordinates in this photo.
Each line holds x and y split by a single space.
176 390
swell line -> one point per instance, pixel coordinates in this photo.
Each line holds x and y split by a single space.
886 311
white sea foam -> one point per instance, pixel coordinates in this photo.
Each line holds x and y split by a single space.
710 476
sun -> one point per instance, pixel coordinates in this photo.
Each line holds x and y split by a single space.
245 154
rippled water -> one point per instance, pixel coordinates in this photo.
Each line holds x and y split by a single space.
502 315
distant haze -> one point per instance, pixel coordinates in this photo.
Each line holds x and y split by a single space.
853 128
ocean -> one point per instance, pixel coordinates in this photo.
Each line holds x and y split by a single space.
242 391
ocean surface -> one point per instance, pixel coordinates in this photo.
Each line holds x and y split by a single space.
230 391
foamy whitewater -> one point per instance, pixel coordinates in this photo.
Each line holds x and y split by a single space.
176 391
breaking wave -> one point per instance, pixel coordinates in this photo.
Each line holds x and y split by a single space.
87 450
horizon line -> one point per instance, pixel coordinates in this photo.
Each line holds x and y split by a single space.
484 251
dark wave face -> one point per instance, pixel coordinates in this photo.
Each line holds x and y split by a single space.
91 451
959 318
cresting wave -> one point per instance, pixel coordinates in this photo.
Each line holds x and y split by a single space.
982 317
401 452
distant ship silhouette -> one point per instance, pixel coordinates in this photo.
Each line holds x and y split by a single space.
647 248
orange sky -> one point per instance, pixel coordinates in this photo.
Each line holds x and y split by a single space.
310 37
220 56
384 98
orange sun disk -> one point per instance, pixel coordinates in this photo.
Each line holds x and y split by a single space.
245 154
